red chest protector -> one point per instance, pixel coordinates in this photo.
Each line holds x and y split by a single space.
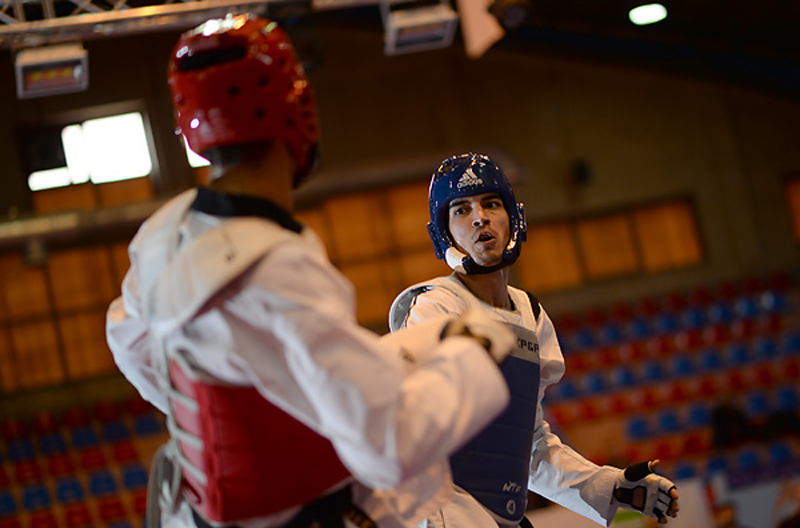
240 456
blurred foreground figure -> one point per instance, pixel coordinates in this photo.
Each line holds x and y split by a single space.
281 410
478 227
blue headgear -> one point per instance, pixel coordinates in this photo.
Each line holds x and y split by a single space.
467 175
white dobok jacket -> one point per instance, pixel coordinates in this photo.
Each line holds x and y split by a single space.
283 322
557 472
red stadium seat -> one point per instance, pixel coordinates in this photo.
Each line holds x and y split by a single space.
60 465
107 412
43 519
77 515
92 458
45 422
111 509
76 417
14 429
28 471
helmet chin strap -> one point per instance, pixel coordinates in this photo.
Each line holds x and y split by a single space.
462 263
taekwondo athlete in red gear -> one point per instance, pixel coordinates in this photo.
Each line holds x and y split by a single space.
478 227
235 325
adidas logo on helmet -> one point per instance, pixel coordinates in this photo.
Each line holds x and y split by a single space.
468 178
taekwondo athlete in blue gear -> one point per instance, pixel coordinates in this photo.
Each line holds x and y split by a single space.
477 226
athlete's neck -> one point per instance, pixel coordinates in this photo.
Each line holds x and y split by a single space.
268 176
491 288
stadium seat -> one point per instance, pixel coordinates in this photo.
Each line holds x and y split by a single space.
92 458
4 480
147 424
622 376
745 306
51 443
653 371
710 359
69 489
638 428
20 449
685 470
689 340
115 430
10 522
696 443
76 417
791 343
43 519
102 483
107 412
756 404
111 509
744 329
611 333
765 348
681 365
738 354
693 317
678 391
139 501
720 311
594 382
14 428
698 415
36 497
639 328
8 504
60 464
666 323
78 516
773 301
747 459
787 398
661 346
668 421
779 453
717 334
28 471
124 452
134 476
84 436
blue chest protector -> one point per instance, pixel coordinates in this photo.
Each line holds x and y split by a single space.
494 466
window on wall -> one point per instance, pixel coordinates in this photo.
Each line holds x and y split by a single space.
643 239
103 150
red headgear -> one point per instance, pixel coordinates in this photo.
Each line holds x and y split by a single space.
236 80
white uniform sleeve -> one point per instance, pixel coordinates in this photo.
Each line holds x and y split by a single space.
558 472
128 338
386 424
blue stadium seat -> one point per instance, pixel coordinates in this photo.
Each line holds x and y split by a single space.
720 312
52 443
791 343
685 470
693 317
134 476
622 376
765 348
710 359
745 306
747 460
638 428
779 453
756 404
787 398
69 489
102 483
36 497
738 354
115 430
21 449
681 365
698 415
594 382
611 333
668 421
147 424
583 338
8 505
653 371
639 328
773 301
566 389
84 436
666 323
716 463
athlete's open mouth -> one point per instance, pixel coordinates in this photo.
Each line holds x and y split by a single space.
485 237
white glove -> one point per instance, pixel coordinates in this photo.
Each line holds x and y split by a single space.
638 488
495 337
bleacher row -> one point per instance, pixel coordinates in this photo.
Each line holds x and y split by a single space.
661 368
86 468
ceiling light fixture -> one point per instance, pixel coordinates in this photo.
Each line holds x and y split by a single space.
647 14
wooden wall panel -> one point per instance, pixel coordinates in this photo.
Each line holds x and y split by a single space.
793 197
70 198
35 348
85 347
408 208
359 226
375 283
120 263
125 192
24 288
549 259
317 220
607 246
9 380
81 278
417 266
667 236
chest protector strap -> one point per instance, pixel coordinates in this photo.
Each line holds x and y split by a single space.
494 466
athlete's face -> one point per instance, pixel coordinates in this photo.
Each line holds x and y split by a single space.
480 227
